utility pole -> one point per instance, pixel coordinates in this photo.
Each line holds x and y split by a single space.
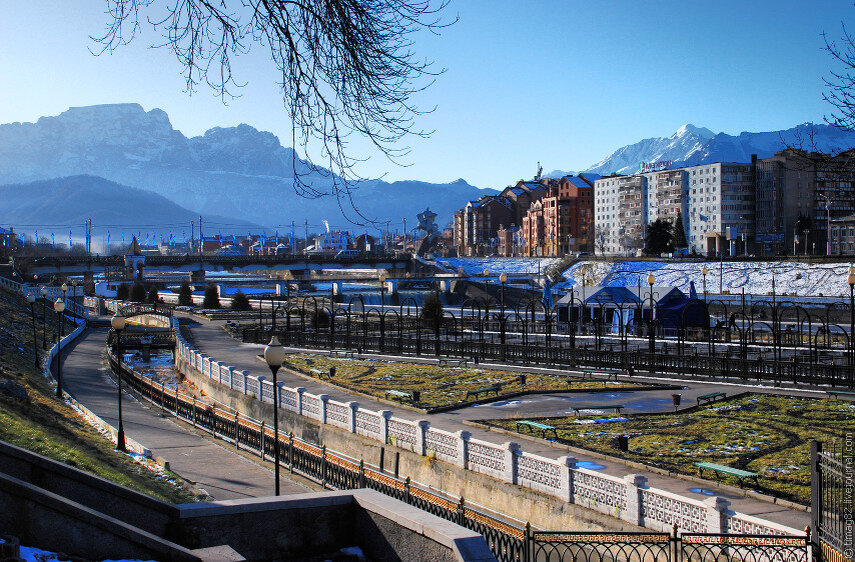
201 240
404 245
192 234
306 244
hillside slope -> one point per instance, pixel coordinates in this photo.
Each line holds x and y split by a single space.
33 419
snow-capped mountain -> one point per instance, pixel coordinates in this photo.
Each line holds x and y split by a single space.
692 145
239 171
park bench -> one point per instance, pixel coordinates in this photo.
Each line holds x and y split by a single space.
447 362
402 395
532 426
495 389
342 353
616 407
740 474
711 397
838 393
610 374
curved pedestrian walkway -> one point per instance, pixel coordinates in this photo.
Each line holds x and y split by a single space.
210 338
197 458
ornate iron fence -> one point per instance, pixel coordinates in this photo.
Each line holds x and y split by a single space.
833 501
722 366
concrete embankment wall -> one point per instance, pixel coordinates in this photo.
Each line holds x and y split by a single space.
540 510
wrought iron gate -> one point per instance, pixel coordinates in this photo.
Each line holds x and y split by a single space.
833 498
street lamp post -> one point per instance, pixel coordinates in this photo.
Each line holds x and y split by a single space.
652 338
59 307
43 291
64 288
274 355
118 324
31 298
704 272
503 278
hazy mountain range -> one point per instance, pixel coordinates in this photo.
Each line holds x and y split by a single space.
110 206
247 176
237 171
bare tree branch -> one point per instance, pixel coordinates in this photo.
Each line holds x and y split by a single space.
347 66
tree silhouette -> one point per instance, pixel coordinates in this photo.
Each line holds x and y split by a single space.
185 295
679 234
212 297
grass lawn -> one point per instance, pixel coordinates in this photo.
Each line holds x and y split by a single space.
761 433
33 419
439 386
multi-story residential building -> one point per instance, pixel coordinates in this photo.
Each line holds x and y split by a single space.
475 225
843 236
523 195
784 192
799 195
620 217
509 240
562 221
720 207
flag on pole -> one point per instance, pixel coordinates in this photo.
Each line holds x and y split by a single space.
52 241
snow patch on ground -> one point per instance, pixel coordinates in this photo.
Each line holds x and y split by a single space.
790 278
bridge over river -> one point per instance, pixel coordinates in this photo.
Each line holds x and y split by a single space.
297 264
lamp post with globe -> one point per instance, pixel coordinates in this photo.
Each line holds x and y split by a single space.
31 298
651 327
59 308
44 292
274 355
118 324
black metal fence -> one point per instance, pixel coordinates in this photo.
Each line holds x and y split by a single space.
509 540
668 547
833 501
722 367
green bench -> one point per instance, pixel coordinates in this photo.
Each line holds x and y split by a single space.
615 407
342 353
399 395
719 468
495 389
447 362
532 426
711 397
838 393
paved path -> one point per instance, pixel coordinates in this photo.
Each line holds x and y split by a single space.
196 457
210 338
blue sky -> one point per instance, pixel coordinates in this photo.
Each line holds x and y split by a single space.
560 82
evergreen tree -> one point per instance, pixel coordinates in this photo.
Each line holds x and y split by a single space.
138 292
212 297
185 295
123 292
432 311
659 236
153 296
240 301
679 240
